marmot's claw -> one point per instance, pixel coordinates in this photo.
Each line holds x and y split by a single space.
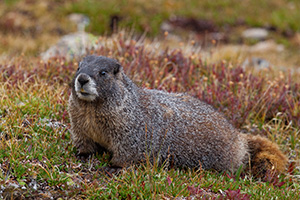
83 156
110 170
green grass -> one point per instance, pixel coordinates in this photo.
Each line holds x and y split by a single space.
33 26
147 16
38 159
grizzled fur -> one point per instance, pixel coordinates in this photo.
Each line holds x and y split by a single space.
107 109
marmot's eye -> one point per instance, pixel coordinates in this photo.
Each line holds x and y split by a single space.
102 73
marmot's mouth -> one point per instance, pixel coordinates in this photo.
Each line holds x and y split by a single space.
84 93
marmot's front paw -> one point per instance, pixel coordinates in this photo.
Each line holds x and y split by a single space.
83 156
110 170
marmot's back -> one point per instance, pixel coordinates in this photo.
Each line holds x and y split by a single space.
194 131
108 109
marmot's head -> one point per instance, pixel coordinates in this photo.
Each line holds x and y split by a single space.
96 78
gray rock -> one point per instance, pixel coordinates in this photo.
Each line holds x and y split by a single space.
257 63
255 33
81 20
71 46
75 44
265 46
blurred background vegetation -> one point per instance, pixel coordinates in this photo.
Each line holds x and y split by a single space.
31 26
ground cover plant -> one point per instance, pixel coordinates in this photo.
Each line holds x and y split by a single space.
33 26
37 158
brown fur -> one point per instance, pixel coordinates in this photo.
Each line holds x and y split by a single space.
265 156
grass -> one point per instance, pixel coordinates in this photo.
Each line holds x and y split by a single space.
32 26
281 13
37 158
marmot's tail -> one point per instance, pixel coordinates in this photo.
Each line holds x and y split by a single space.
265 156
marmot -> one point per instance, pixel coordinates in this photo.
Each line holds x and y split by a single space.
106 108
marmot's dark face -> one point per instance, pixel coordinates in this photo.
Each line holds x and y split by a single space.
96 78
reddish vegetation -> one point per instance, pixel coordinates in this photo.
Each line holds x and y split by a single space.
244 97
240 95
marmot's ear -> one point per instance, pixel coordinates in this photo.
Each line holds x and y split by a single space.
117 68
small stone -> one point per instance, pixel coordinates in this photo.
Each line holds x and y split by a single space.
166 26
257 63
255 33
81 20
265 46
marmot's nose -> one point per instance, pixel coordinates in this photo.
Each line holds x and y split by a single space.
83 80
